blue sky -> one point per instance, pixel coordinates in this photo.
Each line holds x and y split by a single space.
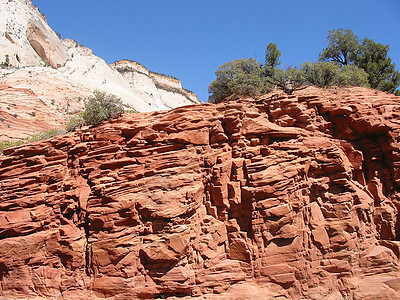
190 39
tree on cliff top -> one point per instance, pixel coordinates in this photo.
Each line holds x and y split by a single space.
345 48
374 60
272 55
289 80
241 77
345 62
342 47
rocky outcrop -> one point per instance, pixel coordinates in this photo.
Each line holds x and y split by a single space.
293 197
158 88
26 38
28 44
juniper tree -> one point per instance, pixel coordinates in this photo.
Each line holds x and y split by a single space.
342 47
345 48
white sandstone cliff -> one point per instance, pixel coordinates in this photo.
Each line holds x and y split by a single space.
26 40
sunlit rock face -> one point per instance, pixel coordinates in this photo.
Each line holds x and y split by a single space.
44 76
26 38
158 89
293 197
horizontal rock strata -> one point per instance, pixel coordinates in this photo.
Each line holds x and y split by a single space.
290 197
45 80
35 100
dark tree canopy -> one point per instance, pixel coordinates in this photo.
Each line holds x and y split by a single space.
342 47
373 58
345 48
272 55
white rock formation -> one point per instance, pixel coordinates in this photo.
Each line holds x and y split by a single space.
156 89
27 40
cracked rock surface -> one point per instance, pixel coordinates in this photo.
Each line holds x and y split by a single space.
292 197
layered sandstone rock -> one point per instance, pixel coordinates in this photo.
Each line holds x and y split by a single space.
286 197
37 99
48 66
159 89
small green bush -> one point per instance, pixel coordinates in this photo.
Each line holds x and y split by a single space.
321 73
101 107
353 76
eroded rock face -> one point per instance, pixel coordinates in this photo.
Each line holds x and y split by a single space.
158 89
34 100
26 38
28 44
52 52
287 196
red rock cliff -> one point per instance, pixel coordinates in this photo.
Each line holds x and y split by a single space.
287 196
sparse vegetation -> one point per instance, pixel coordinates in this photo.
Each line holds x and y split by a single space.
74 123
172 89
34 138
45 135
98 108
188 91
6 145
163 75
345 62
101 107
6 62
